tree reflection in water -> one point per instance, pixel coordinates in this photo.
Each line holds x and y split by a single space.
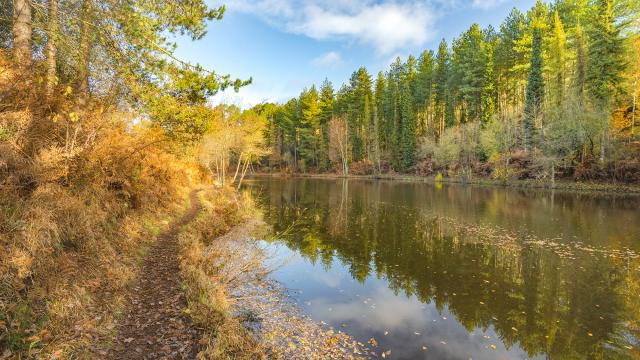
583 305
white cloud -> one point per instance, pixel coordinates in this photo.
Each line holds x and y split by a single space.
329 59
254 94
243 99
486 4
387 26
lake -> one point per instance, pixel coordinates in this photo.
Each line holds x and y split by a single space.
418 270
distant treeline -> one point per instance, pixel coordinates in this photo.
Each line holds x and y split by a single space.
552 92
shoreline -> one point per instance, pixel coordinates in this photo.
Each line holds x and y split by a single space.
562 185
243 311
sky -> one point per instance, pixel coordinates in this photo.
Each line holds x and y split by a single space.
287 45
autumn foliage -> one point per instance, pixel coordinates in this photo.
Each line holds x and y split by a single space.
83 191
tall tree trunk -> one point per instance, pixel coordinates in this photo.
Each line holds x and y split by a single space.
603 143
633 112
85 49
52 29
22 32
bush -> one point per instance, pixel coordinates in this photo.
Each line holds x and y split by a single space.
76 189
423 168
362 167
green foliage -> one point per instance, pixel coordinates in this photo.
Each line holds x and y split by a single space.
501 136
488 94
605 66
558 60
535 90
408 134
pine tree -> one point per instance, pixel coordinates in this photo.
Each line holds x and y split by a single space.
507 73
375 137
605 54
441 79
489 91
558 59
359 113
310 131
326 112
535 90
581 63
424 90
407 138
379 95
606 64
470 64
392 111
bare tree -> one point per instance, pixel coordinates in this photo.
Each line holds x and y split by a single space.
338 141
236 136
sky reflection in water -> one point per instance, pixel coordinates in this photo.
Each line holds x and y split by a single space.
400 268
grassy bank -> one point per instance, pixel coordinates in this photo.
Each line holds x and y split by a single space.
83 194
69 256
207 273
246 315
564 185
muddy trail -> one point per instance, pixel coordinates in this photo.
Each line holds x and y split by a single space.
156 326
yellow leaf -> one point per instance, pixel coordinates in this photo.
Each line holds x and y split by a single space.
373 342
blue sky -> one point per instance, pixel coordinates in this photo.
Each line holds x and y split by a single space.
286 45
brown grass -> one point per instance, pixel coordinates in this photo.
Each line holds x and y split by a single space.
205 279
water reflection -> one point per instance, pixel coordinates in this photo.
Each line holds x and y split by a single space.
376 257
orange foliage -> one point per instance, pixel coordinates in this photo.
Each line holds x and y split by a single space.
81 192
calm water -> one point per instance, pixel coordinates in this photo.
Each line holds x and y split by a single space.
456 272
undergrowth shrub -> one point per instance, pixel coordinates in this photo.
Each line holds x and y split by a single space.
76 186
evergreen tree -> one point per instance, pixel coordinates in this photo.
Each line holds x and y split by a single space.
441 79
581 63
309 129
424 91
507 73
326 112
557 60
535 90
605 65
489 91
470 64
379 96
392 112
605 54
407 138
359 113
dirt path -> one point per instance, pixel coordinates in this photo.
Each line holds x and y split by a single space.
155 326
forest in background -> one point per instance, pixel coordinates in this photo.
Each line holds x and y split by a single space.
552 93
